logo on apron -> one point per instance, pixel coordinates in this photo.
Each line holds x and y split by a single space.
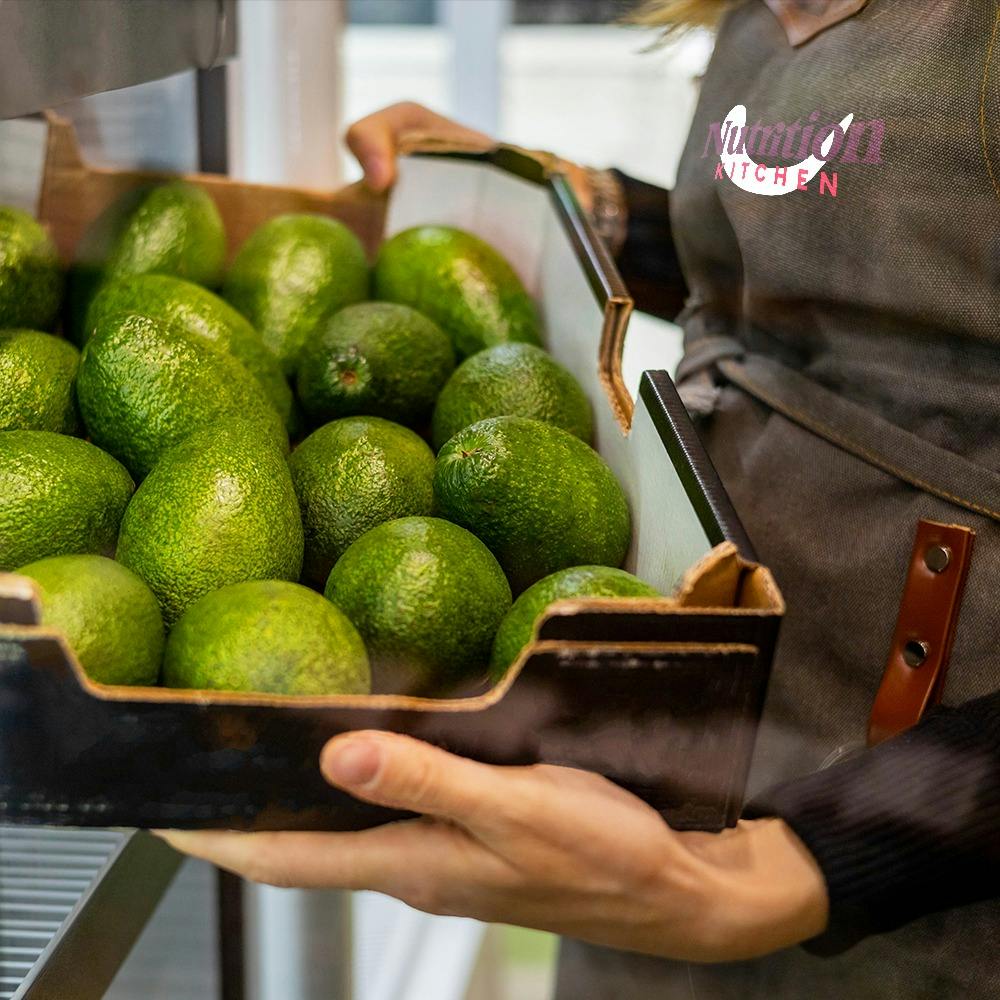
817 146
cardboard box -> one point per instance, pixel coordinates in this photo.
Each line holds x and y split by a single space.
662 696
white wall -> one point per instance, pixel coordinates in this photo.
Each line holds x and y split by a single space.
586 92
285 93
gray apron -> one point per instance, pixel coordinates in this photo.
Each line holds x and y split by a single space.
857 340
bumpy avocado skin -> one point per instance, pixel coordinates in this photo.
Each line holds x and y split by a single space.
351 475
109 616
173 229
293 272
218 508
58 495
269 636
176 230
461 283
31 281
375 358
198 312
539 497
427 598
511 380
144 386
578 581
37 379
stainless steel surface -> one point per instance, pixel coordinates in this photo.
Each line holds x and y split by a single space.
177 955
43 875
298 944
58 50
72 903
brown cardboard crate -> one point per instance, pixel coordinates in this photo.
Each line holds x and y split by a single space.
662 696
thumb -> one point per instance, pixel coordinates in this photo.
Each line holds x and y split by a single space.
403 773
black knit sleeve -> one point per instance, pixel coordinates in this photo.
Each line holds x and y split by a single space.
648 259
907 828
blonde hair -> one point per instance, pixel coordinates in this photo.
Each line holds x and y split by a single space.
675 16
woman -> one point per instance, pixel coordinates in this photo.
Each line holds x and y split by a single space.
836 221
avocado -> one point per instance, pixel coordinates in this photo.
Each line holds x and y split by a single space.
144 386
172 228
109 617
351 475
375 358
290 274
427 598
219 508
58 495
268 636
31 281
461 283
518 626
37 378
195 310
540 498
511 380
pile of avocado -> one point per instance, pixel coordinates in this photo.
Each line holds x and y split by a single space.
298 475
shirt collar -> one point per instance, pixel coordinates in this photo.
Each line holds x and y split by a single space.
804 19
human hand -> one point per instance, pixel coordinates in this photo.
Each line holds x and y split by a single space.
547 847
375 139
375 142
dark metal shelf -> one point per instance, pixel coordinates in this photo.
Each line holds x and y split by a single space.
72 903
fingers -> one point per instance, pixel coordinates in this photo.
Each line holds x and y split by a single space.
404 773
415 861
374 140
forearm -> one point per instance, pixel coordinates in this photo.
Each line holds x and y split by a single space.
907 828
648 260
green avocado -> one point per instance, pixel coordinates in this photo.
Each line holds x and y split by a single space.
292 273
540 498
375 358
195 310
109 616
30 278
351 475
461 283
144 386
516 629
511 380
37 379
218 508
58 495
427 598
268 636
172 228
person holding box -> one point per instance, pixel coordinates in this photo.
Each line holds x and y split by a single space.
831 249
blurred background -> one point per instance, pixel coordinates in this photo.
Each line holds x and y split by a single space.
564 75
561 75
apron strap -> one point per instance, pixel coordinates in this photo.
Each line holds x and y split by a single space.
925 629
864 434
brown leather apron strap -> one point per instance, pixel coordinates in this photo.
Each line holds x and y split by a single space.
925 629
918 659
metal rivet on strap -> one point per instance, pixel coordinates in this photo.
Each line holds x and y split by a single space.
915 652
937 557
